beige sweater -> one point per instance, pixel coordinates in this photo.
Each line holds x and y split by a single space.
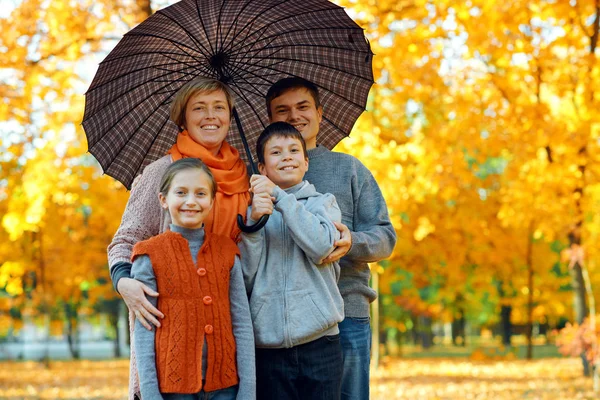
143 218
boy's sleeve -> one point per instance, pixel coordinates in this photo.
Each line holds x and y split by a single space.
140 221
373 235
243 333
252 246
143 339
312 230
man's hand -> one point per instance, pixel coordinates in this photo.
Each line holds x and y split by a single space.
342 246
261 184
134 294
262 204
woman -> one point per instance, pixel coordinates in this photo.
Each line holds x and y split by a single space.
202 110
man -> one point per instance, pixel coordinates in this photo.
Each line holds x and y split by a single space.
367 234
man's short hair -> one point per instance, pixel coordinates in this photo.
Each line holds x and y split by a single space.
286 84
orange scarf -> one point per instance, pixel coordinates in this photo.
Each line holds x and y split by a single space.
230 173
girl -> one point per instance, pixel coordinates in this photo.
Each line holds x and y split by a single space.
204 347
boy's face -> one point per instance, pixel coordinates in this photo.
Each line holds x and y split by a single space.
285 164
297 107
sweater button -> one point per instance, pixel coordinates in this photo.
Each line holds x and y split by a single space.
208 329
201 271
207 300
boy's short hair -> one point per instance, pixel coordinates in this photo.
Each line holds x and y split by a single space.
277 129
185 164
285 84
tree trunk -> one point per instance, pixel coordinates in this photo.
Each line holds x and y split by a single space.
458 328
529 258
425 332
506 324
72 318
579 297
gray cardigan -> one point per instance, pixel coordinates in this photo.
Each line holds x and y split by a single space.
143 339
364 212
293 298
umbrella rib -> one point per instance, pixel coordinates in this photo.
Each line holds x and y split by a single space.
151 143
235 48
180 46
188 34
148 147
249 23
212 50
235 20
300 61
155 79
248 102
324 88
156 66
138 127
275 36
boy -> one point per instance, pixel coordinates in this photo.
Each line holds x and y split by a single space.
294 299
367 234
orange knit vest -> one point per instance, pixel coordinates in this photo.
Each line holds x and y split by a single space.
195 302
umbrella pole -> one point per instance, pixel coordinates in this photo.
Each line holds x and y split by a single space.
240 219
245 142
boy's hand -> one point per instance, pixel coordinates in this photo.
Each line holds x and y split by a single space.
262 204
261 184
342 246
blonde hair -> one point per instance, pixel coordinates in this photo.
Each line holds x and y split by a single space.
190 89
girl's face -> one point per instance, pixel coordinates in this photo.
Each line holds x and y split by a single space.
207 119
189 198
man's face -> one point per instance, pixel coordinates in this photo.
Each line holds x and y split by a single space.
297 107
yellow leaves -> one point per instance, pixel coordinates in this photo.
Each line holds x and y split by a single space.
10 277
424 228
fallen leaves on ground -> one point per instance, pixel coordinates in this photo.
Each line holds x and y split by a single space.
64 380
435 379
550 378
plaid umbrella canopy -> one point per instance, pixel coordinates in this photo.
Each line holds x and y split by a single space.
247 44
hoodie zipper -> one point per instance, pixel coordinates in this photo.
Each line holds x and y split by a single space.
286 329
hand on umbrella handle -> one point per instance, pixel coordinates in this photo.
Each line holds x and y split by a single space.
252 228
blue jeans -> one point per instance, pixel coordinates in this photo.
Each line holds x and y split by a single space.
229 393
355 334
308 371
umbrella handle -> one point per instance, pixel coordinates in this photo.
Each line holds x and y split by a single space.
252 228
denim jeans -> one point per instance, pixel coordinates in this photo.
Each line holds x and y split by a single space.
308 371
355 334
229 393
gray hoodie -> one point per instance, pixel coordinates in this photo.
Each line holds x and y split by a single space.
293 298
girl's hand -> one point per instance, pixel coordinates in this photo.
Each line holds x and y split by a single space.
134 294
262 204
261 184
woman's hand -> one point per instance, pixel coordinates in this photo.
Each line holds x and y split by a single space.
261 184
134 293
262 204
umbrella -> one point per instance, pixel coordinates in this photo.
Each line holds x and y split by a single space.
247 44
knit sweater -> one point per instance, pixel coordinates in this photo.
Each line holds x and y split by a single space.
197 297
364 212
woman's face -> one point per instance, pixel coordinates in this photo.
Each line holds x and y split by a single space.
207 119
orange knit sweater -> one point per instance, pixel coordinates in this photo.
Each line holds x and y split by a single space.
195 302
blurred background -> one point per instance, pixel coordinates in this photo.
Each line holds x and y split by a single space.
483 131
